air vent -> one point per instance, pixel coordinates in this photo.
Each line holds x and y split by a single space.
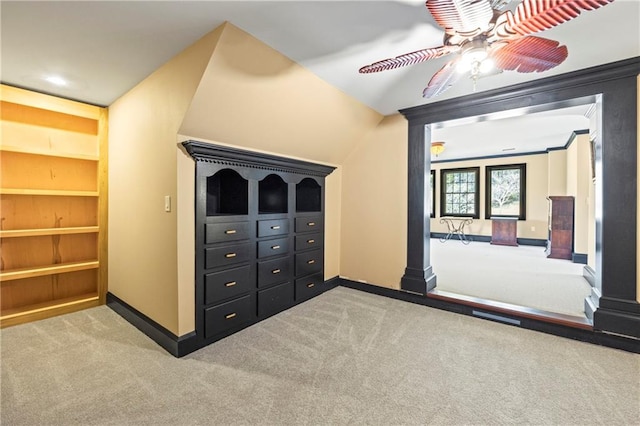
495 317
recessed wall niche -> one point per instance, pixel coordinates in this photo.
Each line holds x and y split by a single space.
308 196
227 194
273 194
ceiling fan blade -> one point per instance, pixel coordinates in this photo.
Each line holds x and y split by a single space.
499 4
532 16
442 80
530 54
409 59
463 17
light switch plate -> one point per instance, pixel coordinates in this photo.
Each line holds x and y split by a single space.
167 203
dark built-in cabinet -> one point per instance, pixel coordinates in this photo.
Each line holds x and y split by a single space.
560 243
259 236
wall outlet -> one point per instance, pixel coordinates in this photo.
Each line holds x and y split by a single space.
533 228
167 203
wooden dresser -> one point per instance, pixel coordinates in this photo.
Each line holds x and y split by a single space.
259 236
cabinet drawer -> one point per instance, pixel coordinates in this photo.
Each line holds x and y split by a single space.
273 271
228 315
226 284
221 232
226 255
308 241
267 228
309 286
275 299
308 224
308 262
276 247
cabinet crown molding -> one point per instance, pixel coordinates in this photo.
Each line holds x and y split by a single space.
217 154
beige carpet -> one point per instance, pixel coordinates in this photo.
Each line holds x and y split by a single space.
520 275
345 357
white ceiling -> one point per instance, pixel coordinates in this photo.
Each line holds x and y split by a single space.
517 132
104 48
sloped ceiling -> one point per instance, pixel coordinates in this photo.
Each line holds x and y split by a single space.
104 48
255 97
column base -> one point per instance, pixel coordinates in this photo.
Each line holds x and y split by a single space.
419 281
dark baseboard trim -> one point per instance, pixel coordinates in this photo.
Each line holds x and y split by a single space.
477 238
579 258
170 342
532 242
557 326
331 283
487 239
183 345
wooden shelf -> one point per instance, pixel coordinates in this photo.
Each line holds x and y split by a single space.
17 274
55 192
23 150
15 233
53 183
47 306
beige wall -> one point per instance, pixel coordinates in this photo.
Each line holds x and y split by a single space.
374 206
535 225
253 97
229 89
557 164
143 126
578 186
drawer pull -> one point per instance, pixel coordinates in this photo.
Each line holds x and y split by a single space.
310 285
275 247
311 241
275 227
311 262
229 316
275 271
230 284
230 255
311 223
230 231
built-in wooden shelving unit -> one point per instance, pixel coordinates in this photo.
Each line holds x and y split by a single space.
53 211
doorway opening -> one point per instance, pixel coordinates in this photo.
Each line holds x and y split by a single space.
522 158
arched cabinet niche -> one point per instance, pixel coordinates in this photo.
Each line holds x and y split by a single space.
308 196
227 194
272 195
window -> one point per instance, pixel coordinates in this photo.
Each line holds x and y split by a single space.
460 192
432 198
506 191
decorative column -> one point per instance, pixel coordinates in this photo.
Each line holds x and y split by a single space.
418 275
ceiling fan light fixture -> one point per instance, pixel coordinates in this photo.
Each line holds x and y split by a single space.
475 28
486 66
473 53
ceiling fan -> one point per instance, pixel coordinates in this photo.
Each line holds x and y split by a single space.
489 40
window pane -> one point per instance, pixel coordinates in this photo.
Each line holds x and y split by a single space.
505 192
458 186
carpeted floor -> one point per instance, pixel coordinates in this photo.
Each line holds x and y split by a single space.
345 357
520 275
